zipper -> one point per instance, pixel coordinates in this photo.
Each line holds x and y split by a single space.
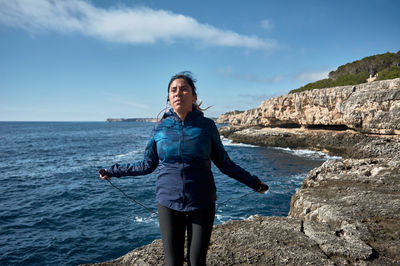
182 162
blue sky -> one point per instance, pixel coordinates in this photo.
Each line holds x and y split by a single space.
81 60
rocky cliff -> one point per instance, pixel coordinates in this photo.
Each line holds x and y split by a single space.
367 108
347 211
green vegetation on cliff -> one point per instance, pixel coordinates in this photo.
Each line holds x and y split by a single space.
389 73
386 66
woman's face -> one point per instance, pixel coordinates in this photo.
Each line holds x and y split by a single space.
181 96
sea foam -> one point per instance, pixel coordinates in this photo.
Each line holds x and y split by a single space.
319 155
228 142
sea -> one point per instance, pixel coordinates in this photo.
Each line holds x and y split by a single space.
55 210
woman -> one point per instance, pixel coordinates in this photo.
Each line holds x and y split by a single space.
182 145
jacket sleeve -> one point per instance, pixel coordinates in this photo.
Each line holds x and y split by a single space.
144 167
221 159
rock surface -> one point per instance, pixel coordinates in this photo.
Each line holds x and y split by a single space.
368 108
357 201
255 241
346 213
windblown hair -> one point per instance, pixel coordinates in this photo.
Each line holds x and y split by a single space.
190 80
186 76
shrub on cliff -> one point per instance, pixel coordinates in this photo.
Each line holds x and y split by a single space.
370 64
387 66
389 73
323 83
343 80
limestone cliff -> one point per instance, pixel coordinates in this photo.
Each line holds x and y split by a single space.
367 108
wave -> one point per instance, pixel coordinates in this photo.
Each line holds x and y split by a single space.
228 142
286 184
319 155
297 177
149 219
219 218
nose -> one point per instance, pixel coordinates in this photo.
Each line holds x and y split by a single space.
179 92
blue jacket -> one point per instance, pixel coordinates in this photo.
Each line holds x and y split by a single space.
183 151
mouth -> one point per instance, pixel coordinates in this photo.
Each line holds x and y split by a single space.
178 101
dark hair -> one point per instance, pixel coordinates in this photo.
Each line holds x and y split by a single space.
188 77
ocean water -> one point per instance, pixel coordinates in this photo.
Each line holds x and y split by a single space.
55 210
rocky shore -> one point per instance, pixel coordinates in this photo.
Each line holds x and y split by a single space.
345 143
347 211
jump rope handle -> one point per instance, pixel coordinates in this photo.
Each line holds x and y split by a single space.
263 187
102 172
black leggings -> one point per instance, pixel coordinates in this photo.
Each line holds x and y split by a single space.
173 225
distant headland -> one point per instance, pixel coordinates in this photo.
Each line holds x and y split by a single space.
140 119
131 120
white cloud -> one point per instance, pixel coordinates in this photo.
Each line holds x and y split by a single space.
310 76
120 24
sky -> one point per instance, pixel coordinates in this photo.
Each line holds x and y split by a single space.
82 60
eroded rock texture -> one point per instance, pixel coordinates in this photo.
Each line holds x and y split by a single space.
367 108
351 208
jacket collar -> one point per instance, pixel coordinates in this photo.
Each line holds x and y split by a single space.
190 116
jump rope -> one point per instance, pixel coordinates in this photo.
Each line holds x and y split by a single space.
104 172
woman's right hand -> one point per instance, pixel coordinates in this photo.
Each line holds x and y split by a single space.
103 174
263 188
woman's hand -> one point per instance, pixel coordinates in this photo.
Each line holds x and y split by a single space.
262 188
103 174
